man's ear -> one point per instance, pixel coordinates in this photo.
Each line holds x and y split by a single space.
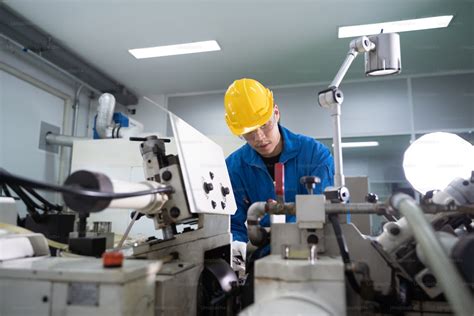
277 112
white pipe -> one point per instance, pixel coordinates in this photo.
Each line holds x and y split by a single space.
62 140
105 113
147 204
105 124
453 285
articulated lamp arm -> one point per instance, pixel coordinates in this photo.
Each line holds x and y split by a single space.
332 99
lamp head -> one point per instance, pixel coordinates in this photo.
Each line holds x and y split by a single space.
384 59
434 160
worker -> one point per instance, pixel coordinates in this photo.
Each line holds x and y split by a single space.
250 113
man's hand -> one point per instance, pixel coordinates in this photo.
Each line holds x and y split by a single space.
239 254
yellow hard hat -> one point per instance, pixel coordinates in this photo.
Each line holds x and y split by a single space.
248 105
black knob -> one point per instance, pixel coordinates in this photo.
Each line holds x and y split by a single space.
429 280
225 191
174 212
312 239
214 204
394 230
223 205
167 175
208 187
372 198
309 182
211 175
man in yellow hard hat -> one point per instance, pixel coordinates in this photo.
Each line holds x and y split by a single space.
250 113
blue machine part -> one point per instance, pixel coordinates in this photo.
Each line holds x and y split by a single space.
120 120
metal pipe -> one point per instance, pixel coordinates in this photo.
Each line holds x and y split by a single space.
62 140
75 116
76 111
355 208
281 208
254 213
50 64
453 286
64 152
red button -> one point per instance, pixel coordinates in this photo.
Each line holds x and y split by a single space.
113 259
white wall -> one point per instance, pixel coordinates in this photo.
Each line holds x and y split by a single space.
23 107
445 102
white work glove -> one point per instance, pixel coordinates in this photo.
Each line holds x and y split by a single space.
239 254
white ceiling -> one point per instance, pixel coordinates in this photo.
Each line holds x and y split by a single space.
277 42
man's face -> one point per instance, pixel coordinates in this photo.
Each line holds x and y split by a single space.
266 139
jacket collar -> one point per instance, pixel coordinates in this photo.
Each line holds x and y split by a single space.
291 147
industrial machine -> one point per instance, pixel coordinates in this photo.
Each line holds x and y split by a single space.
421 263
202 200
188 197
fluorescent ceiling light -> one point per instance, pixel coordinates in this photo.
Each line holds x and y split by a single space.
179 49
395 26
358 144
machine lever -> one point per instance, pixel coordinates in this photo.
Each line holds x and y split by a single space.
280 182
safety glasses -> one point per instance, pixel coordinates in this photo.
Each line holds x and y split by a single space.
265 128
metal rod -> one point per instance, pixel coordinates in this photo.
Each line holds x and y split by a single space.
339 180
351 55
76 111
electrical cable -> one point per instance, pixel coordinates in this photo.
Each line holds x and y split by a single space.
5 189
9 178
47 205
341 242
30 205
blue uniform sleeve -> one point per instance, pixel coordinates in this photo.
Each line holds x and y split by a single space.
237 221
324 168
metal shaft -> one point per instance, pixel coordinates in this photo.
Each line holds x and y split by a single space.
336 138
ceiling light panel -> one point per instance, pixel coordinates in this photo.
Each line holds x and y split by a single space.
179 49
358 144
395 26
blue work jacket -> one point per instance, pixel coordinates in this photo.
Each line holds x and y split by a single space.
251 181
